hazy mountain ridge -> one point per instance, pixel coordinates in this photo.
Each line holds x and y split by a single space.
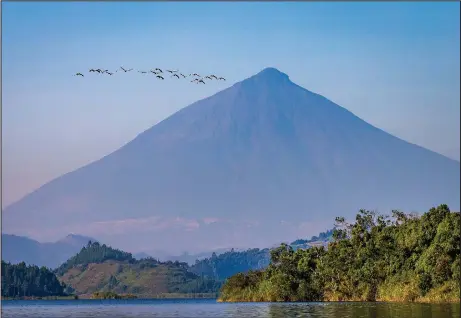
263 150
16 249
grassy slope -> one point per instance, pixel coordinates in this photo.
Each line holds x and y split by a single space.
129 278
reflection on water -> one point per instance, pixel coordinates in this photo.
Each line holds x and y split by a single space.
209 308
358 310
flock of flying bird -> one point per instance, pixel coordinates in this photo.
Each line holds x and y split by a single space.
160 74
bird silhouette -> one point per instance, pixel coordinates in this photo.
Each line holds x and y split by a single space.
157 69
209 77
222 78
195 74
99 71
184 76
213 76
160 77
110 73
201 81
125 70
78 74
143 72
92 70
175 75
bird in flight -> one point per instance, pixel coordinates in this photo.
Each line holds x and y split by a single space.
157 71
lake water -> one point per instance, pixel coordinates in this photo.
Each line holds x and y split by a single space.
210 308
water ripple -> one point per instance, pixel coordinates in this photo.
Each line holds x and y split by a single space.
210 308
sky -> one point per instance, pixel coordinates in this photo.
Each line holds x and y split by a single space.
395 65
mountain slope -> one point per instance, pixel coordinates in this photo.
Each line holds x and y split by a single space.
16 249
260 152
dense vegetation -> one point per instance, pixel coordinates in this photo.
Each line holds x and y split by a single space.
402 258
22 281
220 267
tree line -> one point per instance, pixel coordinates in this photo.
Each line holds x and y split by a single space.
403 257
21 280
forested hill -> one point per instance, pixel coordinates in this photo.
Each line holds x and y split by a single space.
100 268
21 280
224 265
94 252
403 258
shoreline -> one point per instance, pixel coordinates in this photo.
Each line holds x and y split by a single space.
452 301
140 297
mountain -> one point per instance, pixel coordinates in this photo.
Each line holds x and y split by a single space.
16 249
260 162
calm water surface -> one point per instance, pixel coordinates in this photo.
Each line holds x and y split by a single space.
210 308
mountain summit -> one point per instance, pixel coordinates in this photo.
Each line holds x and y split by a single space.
248 165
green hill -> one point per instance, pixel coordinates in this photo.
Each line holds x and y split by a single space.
100 268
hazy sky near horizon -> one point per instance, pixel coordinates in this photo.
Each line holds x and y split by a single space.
396 65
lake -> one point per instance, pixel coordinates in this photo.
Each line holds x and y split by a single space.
204 308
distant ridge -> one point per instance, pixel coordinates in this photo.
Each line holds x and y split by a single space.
16 249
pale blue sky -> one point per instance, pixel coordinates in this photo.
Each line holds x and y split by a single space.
396 65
